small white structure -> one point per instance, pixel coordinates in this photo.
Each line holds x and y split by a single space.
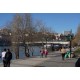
57 35
47 45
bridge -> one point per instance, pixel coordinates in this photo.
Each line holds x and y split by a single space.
50 42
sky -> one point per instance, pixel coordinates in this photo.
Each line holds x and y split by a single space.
58 22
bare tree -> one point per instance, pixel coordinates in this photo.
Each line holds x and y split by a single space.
44 32
16 27
76 39
24 31
5 36
28 30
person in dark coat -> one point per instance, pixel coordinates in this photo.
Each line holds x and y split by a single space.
28 53
8 57
77 64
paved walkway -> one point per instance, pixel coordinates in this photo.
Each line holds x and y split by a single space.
53 60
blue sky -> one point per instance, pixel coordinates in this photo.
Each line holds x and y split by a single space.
59 22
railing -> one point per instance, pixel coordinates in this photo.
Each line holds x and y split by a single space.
48 42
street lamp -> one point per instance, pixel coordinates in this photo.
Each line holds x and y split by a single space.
69 38
70 45
10 38
24 41
10 34
26 35
46 38
46 42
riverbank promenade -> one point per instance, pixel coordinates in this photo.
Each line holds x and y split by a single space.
53 60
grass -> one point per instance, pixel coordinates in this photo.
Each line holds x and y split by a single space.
77 52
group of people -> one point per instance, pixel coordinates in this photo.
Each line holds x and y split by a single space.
44 52
6 57
28 51
64 52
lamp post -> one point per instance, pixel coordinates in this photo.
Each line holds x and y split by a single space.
26 35
69 38
70 46
10 38
46 38
43 42
25 43
46 42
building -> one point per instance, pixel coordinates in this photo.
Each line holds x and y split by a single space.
67 33
57 36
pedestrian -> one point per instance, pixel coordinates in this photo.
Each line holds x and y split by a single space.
45 52
32 51
77 64
41 51
28 53
63 51
3 57
8 57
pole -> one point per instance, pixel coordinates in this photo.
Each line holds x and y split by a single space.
70 48
46 43
70 43
42 43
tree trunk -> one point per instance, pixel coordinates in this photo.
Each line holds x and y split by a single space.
17 52
25 51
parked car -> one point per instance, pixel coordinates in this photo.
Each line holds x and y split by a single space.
56 47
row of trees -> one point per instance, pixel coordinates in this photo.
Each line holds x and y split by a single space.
76 40
23 30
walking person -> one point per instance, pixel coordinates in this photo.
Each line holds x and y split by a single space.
32 51
41 51
45 52
28 53
3 57
77 64
8 57
63 51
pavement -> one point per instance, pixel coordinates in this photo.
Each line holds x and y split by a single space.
53 60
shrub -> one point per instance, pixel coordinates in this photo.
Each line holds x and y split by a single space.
77 52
